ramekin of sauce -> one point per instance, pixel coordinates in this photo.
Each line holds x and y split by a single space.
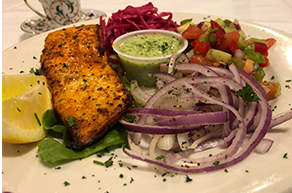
142 51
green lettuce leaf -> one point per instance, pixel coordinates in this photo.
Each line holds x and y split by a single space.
52 151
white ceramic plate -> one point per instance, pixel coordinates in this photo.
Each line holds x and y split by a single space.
24 172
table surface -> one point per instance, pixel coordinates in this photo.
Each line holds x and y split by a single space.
272 13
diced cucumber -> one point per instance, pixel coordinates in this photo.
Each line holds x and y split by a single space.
207 23
228 29
204 37
182 28
242 34
220 22
253 40
238 63
242 43
258 74
218 56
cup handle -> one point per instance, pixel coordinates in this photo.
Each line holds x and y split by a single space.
38 13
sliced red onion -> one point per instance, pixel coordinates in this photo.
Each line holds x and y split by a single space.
200 25
139 95
239 54
281 118
153 129
163 67
257 115
191 67
162 112
197 119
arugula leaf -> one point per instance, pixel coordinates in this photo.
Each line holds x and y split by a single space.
52 151
247 94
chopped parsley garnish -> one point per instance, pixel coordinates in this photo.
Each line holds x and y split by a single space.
121 175
174 70
66 183
285 156
216 163
185 21
247 94
132 180
98 162
288 80
35 71
85 87
71 121
38 120
160 157
109 162
225 170
188 179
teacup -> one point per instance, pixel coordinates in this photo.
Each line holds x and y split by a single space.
59 12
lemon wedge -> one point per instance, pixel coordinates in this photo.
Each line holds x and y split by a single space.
25 97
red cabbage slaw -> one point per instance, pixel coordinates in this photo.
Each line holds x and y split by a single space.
133 19
212 116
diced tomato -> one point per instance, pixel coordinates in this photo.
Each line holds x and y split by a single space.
232 24
192 32
220 37
267 61
261 48
274 89
228 38
233 46
201 46
214 25
270 42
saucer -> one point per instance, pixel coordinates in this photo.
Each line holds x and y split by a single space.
37 25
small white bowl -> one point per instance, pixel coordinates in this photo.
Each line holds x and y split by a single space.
138 68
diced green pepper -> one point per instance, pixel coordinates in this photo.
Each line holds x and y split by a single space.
252 40
238 63
242 43
249 53
227 22
258 74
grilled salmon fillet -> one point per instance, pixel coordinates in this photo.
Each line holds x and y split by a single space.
86 92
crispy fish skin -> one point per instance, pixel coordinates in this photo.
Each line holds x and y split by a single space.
87 94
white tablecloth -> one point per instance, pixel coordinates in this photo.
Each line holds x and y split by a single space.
272 13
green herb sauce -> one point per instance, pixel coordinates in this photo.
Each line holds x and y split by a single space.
151 45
